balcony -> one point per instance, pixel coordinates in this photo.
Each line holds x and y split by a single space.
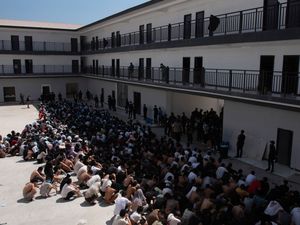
36 70
36 47
278 17
272 86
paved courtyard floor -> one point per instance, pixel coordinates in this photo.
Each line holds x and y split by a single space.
54 211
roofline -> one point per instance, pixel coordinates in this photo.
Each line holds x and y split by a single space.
143 5
39 28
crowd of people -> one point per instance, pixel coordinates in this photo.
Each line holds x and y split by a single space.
157 181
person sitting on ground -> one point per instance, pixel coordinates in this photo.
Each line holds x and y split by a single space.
46 188
122 218
29 191
92 193
37 175
70 190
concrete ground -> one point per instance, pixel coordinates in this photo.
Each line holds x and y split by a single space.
15 173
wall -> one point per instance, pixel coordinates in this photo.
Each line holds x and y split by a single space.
33 86
260 124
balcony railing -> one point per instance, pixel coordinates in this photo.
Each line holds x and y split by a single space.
8 70
241 81
277 17
36 46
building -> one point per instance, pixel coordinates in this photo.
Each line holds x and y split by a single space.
238 54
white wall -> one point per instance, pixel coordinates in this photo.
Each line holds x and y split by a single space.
260 124
33 86
95 86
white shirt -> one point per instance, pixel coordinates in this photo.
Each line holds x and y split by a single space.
192 176
220 172
120 203
92 180
172 220
249 179
66 189
77 166
296 215
105 183
136 217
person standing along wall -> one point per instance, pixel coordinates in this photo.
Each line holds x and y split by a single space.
240 144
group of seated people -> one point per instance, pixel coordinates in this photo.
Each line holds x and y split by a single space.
155 181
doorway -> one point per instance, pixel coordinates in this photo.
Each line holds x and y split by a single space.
199 24
186 62
266 74
141 68
28 43
9 94
198 64
137 102
113 67
75 66
292 13
149 33
284 146
46 90
15 45
74 45
28 66
290 74
270 16
142 35
113 37
187 26
118 67
17 66
71 90
148 68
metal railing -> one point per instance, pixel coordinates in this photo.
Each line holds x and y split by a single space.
245 21
36 46
242 81
7 70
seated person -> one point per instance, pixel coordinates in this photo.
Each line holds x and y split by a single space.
92 193
37 175
69 190
29 191
46 188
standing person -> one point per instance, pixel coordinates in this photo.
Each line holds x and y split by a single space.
155 112
59 97
22 99
130 70
145 109
272 156
27 101
130 110
102 99
80 95
96 99
127 106
240 144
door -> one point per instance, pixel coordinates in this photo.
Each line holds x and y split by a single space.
118 38
118 67
75 66
292 13
97 43
113 67
284 146
198 76
17 66
28 43
28 66
141 68
113 39
93 44
83 65
82 43
137 102
15 45
148 68
142 35
187 26
9 94
199 24
270 16
266 74
74 45
46 90
94 66
290 74
71 89
186 70
97 66
149 32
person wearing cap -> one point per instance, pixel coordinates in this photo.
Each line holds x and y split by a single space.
272 156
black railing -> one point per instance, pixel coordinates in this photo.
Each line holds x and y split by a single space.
6 70
251 20
243 81
36 46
